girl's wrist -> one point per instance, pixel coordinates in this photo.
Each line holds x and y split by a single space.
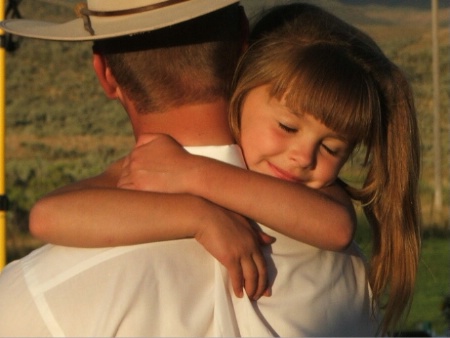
196 178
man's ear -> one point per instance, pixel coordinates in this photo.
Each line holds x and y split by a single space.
106 78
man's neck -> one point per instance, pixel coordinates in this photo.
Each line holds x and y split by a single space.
191 125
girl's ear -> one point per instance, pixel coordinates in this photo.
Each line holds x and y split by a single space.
106 78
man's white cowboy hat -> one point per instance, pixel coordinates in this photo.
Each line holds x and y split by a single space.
100 19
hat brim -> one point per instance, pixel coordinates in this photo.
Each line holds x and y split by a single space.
110 27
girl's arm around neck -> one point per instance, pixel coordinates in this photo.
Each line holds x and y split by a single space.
322 218
95 213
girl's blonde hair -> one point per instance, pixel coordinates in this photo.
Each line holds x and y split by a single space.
333 71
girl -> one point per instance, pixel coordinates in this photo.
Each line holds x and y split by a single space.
303 100
308 92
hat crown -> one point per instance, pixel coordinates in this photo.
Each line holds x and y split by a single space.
119 5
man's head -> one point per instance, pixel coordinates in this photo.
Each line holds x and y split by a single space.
161 53
188 63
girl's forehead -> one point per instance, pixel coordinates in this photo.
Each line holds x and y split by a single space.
300 112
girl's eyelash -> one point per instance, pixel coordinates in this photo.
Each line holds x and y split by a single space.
330 151
287 129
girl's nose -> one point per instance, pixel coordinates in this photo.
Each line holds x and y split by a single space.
304 154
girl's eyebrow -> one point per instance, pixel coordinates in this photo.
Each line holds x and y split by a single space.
341 137
298 113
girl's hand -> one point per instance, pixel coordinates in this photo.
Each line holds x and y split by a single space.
236 244
157 163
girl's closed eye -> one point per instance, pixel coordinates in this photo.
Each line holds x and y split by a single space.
329 150
287 129
339 149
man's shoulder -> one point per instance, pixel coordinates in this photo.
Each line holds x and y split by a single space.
106 179
112 173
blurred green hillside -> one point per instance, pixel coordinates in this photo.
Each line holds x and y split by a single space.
61 128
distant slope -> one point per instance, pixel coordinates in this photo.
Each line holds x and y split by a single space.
422 4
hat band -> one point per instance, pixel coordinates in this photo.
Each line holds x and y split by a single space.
85 13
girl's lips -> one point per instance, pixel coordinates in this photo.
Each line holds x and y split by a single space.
280 173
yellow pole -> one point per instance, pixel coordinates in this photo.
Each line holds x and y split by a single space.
2 143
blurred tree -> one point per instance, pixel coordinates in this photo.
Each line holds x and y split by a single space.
437 205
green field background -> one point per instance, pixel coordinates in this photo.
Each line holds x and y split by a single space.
61 128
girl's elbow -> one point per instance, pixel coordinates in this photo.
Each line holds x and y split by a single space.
344 235
345 239
39 221
343 226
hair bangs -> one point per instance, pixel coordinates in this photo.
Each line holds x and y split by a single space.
326 83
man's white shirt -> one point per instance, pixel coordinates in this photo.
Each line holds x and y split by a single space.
176 288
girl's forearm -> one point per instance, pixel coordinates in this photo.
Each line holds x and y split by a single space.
94 213
323 218
99 217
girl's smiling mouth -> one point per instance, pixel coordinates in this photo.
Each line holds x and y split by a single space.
282 174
